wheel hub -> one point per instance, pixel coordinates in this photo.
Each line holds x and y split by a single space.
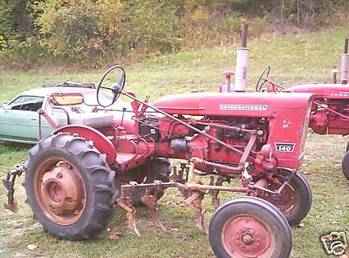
61 189
245 237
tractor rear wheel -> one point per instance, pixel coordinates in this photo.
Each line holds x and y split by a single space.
250 227
69 187
345 164
295 199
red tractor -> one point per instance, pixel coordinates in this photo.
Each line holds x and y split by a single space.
330 103
75 177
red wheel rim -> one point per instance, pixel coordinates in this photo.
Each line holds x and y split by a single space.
286 201
245 236
60 191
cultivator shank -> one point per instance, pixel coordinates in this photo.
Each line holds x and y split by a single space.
9 184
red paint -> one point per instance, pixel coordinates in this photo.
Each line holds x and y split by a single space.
227 104
330 109
286 114
101 142
246 236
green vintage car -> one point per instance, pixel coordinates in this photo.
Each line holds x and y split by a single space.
20 118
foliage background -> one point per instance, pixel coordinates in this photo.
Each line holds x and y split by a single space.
96 32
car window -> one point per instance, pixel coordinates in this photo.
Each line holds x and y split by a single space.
25 99
27 103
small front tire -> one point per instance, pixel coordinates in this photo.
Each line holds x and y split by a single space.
250 227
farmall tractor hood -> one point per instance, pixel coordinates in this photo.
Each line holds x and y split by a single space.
223 104
327 90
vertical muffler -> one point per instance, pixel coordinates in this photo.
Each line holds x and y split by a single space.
241 61
344 70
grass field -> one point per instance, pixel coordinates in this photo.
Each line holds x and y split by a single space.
294 59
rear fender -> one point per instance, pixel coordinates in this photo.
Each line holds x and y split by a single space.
100 141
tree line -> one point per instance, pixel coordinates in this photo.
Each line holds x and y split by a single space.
76 30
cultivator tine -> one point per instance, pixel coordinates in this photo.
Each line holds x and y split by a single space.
195 201
9 184
11 206
126 204
150 201
215 199
215 193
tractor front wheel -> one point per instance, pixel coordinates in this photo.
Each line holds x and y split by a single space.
294 200
69 187
250 227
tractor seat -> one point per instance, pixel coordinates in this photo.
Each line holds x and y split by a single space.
95 120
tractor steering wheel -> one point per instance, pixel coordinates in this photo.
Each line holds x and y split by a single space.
108 91
263 78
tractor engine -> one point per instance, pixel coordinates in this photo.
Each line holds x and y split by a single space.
177 141
216 133
165 137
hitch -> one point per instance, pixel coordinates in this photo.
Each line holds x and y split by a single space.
9 184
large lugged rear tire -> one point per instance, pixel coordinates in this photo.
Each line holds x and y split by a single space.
250 227
69 187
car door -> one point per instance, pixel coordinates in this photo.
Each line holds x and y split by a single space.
22 118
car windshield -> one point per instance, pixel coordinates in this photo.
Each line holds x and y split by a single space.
88 105
27 103
25 99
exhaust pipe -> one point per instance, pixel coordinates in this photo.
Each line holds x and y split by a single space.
242 61
345 63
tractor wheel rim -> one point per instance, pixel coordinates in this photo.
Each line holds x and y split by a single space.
245 236
60 191
286 201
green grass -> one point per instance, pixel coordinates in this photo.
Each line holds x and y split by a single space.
294 59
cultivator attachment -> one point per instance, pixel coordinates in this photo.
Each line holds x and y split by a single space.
149 200
9 184
126 204
193 196
216 202
195 201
